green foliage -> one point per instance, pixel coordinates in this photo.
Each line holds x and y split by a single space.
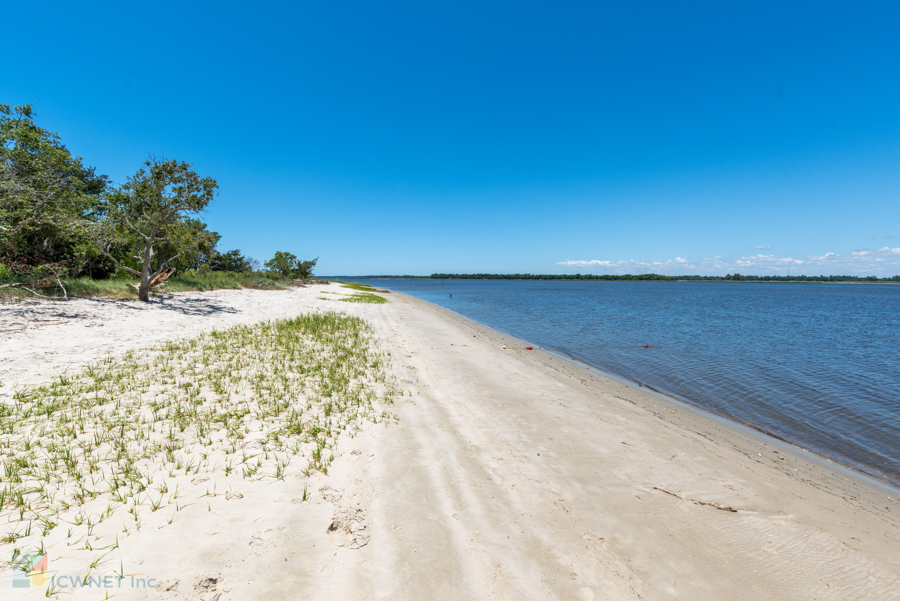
305 269
154 209
53 209
215 280
118 288
288 266
232 260
364 297
283 262
190 258
59 218
47 196
362 287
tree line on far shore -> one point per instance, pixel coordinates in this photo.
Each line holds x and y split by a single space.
736 277
61 219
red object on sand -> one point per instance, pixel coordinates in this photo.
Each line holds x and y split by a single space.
528 348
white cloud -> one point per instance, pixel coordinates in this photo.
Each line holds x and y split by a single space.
883 261
588 263
883 238
762 247
626 266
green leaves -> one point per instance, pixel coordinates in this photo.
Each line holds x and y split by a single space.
283 262
47 196
155 208
59 218
162 190
232 261
288 266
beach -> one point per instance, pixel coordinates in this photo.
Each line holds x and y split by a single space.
500 473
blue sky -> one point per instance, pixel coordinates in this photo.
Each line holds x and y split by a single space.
411 138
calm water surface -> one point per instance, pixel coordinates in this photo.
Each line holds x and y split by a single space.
817 365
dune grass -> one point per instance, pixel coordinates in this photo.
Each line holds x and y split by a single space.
364 297
362 287
357 297
251 403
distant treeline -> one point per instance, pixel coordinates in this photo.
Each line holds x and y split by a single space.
378 277
663 278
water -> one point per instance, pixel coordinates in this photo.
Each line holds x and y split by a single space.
817 365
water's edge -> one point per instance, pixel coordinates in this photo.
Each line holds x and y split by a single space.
708 412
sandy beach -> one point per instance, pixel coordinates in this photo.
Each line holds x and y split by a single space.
500 473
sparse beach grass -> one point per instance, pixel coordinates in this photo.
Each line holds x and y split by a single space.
250 403
365 294
363 297
362 287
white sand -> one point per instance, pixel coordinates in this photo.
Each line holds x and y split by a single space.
511 474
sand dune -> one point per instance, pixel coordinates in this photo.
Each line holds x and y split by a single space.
507 474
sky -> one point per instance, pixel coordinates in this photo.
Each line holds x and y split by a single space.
495 137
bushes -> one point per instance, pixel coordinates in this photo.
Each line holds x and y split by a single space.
213 280
119 287
288 266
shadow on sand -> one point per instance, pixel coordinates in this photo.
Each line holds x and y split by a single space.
198 307
41 310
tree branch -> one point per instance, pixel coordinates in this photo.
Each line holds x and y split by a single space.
166 264
58 281
106 252
134 229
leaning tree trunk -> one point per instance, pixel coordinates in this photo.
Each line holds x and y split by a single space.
158 280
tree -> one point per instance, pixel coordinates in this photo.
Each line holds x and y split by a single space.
232 260
193 258
284 263
47 196
304 269
288 266
155 206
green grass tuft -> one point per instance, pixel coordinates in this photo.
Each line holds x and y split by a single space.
365 297
362 287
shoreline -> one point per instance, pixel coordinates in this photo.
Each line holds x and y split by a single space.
726 467
706 413
705 410
735 422
502 474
